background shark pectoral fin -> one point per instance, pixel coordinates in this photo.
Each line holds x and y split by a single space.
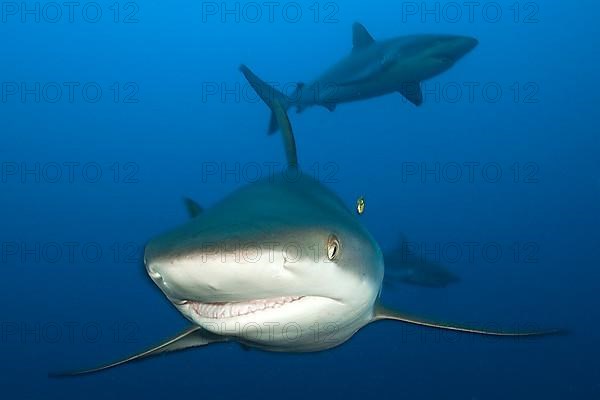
192 337
382 312
412 92
360 36
194 209
330 106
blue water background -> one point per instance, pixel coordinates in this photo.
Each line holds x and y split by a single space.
174 55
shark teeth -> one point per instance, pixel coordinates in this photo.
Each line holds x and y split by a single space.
236 309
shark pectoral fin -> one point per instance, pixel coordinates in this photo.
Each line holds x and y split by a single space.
330 106
412 92
194 209
387 313
360 36
192 337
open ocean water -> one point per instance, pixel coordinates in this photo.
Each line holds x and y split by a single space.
112 112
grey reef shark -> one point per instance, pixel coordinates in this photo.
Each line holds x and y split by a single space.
407 266
279 265
373 68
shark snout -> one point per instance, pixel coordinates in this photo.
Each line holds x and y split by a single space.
191 278
453 47
161 272
470 43
166 281
464 45
155 275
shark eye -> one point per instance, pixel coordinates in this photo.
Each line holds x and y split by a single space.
333 247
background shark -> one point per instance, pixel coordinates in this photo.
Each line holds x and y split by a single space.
372 69
280 265
409 268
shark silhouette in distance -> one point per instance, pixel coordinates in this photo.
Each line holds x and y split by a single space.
414 269
279 265
373 68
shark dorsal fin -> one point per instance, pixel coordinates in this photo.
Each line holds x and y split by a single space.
288 135
361 38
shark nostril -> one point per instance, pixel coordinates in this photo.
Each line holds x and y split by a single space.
154 275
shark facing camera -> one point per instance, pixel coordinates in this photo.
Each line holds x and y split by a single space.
248 263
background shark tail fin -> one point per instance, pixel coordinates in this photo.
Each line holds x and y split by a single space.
273 124
268 94
289 142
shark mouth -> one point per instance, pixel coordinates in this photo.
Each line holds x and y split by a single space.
236 309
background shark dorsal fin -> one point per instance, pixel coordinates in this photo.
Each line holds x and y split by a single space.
194 209
360 36
288 135
382 312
